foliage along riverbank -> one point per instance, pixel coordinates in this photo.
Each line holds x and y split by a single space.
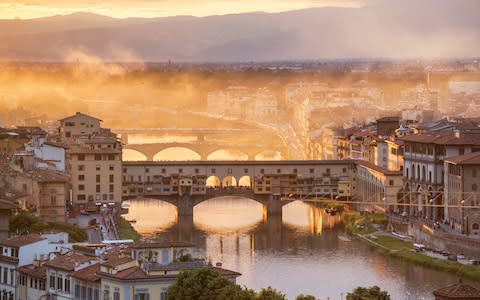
126 230
362 225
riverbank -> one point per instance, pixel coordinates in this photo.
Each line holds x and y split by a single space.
403 249
126 230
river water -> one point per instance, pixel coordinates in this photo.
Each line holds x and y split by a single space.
301 252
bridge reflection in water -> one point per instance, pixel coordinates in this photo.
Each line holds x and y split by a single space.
229 216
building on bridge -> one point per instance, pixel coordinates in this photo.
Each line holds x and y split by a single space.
267 181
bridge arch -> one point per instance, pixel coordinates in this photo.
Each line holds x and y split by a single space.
229 181
269 155
226 154
213 181
133 155
245 181
177 153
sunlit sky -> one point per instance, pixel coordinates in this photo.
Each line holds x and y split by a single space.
10 9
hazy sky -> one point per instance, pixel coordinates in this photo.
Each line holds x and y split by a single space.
25 9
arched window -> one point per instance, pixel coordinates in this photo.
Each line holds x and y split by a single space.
475 226
418 171
423 173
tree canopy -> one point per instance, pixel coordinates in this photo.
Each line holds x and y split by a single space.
371 293
270 294
207 284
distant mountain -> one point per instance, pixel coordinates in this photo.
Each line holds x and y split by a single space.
398 29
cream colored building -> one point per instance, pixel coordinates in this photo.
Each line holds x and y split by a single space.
462 188
78 125
378 187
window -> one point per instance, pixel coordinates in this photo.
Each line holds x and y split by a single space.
53 200
163 293
245 170
461 151
262 171
98 168
180 171
295 171
474 173
213 171
98 157
68 134
111 168
474 187
312 170
81 157
97 178
67 285
111 157
110 188
279 171
59 283
81 167
5 275
106 294
83 292
96 294
69 124
77 291
164 171
111 178
344 170
116 295
98 190
90 293
391 182
81 177
81 197
81 187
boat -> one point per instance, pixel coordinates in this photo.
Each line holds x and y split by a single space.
132 221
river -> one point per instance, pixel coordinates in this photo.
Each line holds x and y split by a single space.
298 253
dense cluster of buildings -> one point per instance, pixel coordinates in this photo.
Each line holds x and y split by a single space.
48 267
242 103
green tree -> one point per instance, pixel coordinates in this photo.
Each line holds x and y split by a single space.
25 222
371 293
305 297
270 294
206 284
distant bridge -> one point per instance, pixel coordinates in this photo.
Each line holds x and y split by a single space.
204 149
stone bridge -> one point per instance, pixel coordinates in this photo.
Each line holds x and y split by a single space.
185 203
204 149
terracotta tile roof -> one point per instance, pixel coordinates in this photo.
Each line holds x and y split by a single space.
114 260
39 272
171 244
42 175
69 261
78 114
9 259
22 240
466 159
372 166
88 273
444 139
458 291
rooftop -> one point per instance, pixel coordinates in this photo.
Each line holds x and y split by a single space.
88 273
444 139
466 159
79 114
379 169
22 240
39 272
458 291
69 261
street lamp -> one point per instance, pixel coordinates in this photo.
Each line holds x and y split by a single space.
463 221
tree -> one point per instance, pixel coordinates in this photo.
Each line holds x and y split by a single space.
372 293
270 294
206 284
305 297
25 222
